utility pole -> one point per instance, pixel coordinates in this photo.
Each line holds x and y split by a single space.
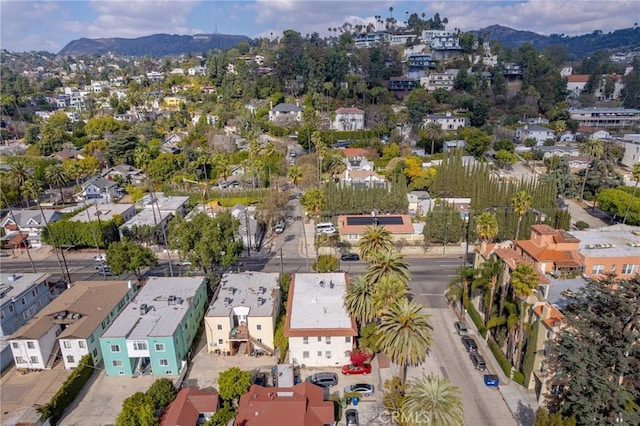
246 223
281 263
95 238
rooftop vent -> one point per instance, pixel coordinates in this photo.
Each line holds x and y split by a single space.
633 244
172 300
143 309
331 284
12 277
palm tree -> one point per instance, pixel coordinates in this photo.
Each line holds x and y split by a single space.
387 291
31 188
375 239
486 227
437 398
524 280
358 299
405 334
521 204
635 175
431 132
57 176
592 148
336 165
490 271
458 288
388 263
313 200
294 175
19 173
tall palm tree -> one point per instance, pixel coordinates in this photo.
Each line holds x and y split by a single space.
20 173
375 239
336 165
524 280
294 175
521 204
313 200
486 226
388 263
490 271
635 175
437 398
358 299
387 291
58 177
405 334
431 132
592 148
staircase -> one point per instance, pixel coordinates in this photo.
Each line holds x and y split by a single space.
55 356
260 345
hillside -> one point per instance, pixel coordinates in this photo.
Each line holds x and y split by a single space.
153 45
578 46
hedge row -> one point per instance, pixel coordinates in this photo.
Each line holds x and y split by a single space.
477 319
69 390
500 357
518 377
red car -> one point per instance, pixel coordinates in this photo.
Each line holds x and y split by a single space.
350 369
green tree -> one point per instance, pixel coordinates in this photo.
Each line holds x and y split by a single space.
162 392
313 200
58 177
358 299
592 148
635 175
233 383
486 226
122 147
477 141
405 334
54 133
222 416
436 399
294 175
390 264
504 145
19 174
129 256
432 132
543 418
375 239
325 263
505 158
137 410
388 290
394 399
524 280
521 204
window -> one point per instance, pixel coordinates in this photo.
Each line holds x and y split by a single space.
164 362
70 359
629 269
160 347
116 363
305 340
23 301
15 345
328 340
220 341
347 354
305 354
91 339
347 339
82 344
168 372
20 360
259 340
33 293
319 353
31 345
67 344
115 348
259 327
319 339
547 335
95 352
140 345
597 269
219 326
10 308
327 354
34 360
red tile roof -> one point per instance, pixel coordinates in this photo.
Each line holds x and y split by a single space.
546 254
187 406
301 405
512 258
553 315
578 78
356 152
349 111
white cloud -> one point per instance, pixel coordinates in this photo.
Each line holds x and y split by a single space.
27 25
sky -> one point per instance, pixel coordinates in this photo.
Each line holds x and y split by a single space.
49 24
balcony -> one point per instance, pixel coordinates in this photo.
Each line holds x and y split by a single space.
239 333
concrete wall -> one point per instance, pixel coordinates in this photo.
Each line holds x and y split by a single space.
338 349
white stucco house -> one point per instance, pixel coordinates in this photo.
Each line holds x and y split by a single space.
99 190
348 119
535 131
446 121
285 111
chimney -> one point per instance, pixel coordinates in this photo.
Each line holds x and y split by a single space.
546 311
298 104
270 104
130 284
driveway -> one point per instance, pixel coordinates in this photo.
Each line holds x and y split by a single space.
584 212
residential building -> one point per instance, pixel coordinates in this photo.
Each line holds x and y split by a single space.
105 213
176 205
199 70
29 223
301 405
461 205
361 178
415 199
320 330
552 251
593 133
155 76
429 35
419 61
348 119
449 146
210 119
576 84
402 84
251 229
99 190
352 227
445 42
559 151
156 329
400 39
446 121
614 249
21 297
174 101
439 80
243 313
149 218
534 131
631 145
71 325
191 407
606 117
513 71
370 39
359 163
171 143
126 173
546 322
286 112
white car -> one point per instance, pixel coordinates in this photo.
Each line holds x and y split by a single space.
101 258
183 262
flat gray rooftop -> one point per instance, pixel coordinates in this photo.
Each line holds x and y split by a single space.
13 285
162 316
147 217
317 301
103 212
166 203
621 237
256 290
559 289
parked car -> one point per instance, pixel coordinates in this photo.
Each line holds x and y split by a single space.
293 154
101 258
491 380
349 369
351 416
461 328
469 344
325 380
104 270
183 262
478 361
279 229
260 379
363 389
350 257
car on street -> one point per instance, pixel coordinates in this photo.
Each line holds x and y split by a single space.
469 344
279 229
351 416
101 258
183 262
491 380
103 270
350 369
350 257
461 328
478 361
363 389
325 379
293 154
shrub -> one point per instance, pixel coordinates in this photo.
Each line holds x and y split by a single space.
500 357
162 392
581 225
69 390
518 377
477 319
325 263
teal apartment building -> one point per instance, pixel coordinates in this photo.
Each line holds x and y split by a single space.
154 333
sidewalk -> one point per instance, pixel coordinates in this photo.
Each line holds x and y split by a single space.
310 233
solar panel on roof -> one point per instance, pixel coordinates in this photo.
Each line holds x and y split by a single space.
380 220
